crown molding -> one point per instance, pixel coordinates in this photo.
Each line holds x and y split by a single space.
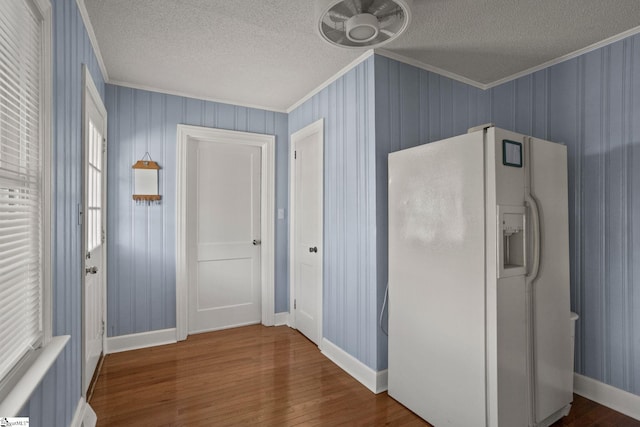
194 96
563 58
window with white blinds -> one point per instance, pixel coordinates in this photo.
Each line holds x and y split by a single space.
22 189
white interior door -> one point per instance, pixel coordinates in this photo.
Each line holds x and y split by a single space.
223 233
306 229
94 228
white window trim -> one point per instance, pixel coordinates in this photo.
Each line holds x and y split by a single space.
36 366
46 130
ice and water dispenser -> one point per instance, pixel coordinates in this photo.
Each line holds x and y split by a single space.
512 241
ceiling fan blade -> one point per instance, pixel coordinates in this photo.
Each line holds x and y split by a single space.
331 32
388 19
382 8
337 16
391 14
352 5
342 9
386 33
365 5
342 39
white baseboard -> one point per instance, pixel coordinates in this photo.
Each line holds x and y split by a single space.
141 340
604 394
382 381
90 418
282 319
84 416
374 381
76 421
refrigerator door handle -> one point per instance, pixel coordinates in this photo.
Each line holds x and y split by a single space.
530 200
535 237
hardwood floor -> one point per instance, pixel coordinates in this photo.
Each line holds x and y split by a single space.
587 413
257 376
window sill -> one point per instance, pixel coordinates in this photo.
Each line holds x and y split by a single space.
21 392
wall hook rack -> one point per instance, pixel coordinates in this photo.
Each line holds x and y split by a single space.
145 173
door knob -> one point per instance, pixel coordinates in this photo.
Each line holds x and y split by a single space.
91 270
256 242
313 249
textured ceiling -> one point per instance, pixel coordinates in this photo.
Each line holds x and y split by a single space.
267 53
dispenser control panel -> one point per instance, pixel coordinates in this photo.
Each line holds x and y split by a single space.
511 153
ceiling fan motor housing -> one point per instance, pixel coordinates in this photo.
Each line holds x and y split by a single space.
362 28
362 23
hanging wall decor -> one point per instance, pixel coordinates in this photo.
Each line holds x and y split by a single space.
145 175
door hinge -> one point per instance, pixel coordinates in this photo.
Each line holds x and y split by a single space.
79 214
103 328
295 154
294 304
102 236
104 145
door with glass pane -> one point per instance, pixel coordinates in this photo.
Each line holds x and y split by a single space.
94 253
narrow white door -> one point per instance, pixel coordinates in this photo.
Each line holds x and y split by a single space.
223 235
306 194
94 228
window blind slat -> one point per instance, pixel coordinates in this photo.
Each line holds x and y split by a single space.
15 123
24 199
11 313
20 223
13 288
5 265
17 214
19 78
25 179
22 244
16 160
11 358
13 271
13 98
20 167
13 233
19 347
17 244
21 50
27 43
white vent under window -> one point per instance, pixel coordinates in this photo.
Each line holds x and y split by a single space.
21 190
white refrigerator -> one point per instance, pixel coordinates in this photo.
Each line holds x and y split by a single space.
479 310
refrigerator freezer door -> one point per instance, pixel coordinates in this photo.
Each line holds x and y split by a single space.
437 280
551 306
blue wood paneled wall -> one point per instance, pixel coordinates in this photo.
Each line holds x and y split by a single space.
590 103
347 106
55 400
141 239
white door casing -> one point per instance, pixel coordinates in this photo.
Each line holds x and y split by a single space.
189 137
223 235
306 230
94 134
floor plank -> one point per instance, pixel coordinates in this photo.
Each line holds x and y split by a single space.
258 376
